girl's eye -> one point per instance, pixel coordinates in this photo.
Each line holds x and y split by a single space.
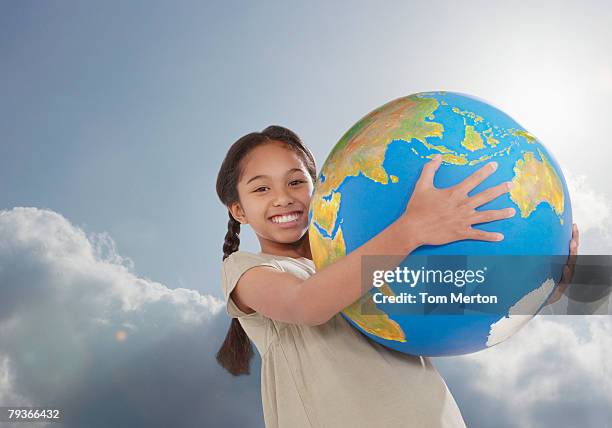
260 189
298 181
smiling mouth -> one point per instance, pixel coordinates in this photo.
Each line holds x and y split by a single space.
286 218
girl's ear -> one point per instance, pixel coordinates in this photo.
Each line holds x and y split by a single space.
238 213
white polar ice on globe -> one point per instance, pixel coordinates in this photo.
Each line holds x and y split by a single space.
518 314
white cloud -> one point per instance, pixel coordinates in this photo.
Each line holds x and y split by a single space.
605 78
591 210
74 266
588 355
78 327
7 394
531 377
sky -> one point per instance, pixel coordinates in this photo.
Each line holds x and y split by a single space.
115 117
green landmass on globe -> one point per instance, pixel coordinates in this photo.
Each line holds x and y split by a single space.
466 132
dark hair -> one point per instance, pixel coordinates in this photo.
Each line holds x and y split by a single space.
236 351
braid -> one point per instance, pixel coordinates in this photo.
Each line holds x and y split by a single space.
232 237
236 351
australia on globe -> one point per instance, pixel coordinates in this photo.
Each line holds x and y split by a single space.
366 183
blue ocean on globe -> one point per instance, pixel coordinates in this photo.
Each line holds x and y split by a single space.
367 181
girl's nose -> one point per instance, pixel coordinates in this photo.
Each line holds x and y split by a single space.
283 198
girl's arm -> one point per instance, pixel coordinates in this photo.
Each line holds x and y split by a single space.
432 217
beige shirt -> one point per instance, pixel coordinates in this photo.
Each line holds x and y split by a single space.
331 375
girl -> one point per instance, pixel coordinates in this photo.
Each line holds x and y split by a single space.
317 370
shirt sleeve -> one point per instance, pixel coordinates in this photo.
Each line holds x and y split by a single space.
232 269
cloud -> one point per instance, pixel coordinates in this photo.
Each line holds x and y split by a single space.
556 372
80 331
592 210
605 78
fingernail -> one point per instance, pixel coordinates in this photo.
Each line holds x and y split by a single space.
500 237
437 157
511 212
509 185
493 165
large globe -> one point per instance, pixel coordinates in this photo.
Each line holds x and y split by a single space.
367 180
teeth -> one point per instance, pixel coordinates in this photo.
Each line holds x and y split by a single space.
285 218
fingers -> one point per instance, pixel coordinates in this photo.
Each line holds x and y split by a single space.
570 264
574 242
492 215
573 247
428 172
576 234
564 282
573 255
481 235
564 275
489 194
477 177
567 276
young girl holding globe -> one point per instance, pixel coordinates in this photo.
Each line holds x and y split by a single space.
317 370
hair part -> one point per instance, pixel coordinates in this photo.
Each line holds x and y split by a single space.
236 350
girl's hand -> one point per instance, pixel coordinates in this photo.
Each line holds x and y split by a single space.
438 216
568 269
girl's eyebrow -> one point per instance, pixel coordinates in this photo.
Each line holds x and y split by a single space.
265 176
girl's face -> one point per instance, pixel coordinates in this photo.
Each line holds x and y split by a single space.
274 190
